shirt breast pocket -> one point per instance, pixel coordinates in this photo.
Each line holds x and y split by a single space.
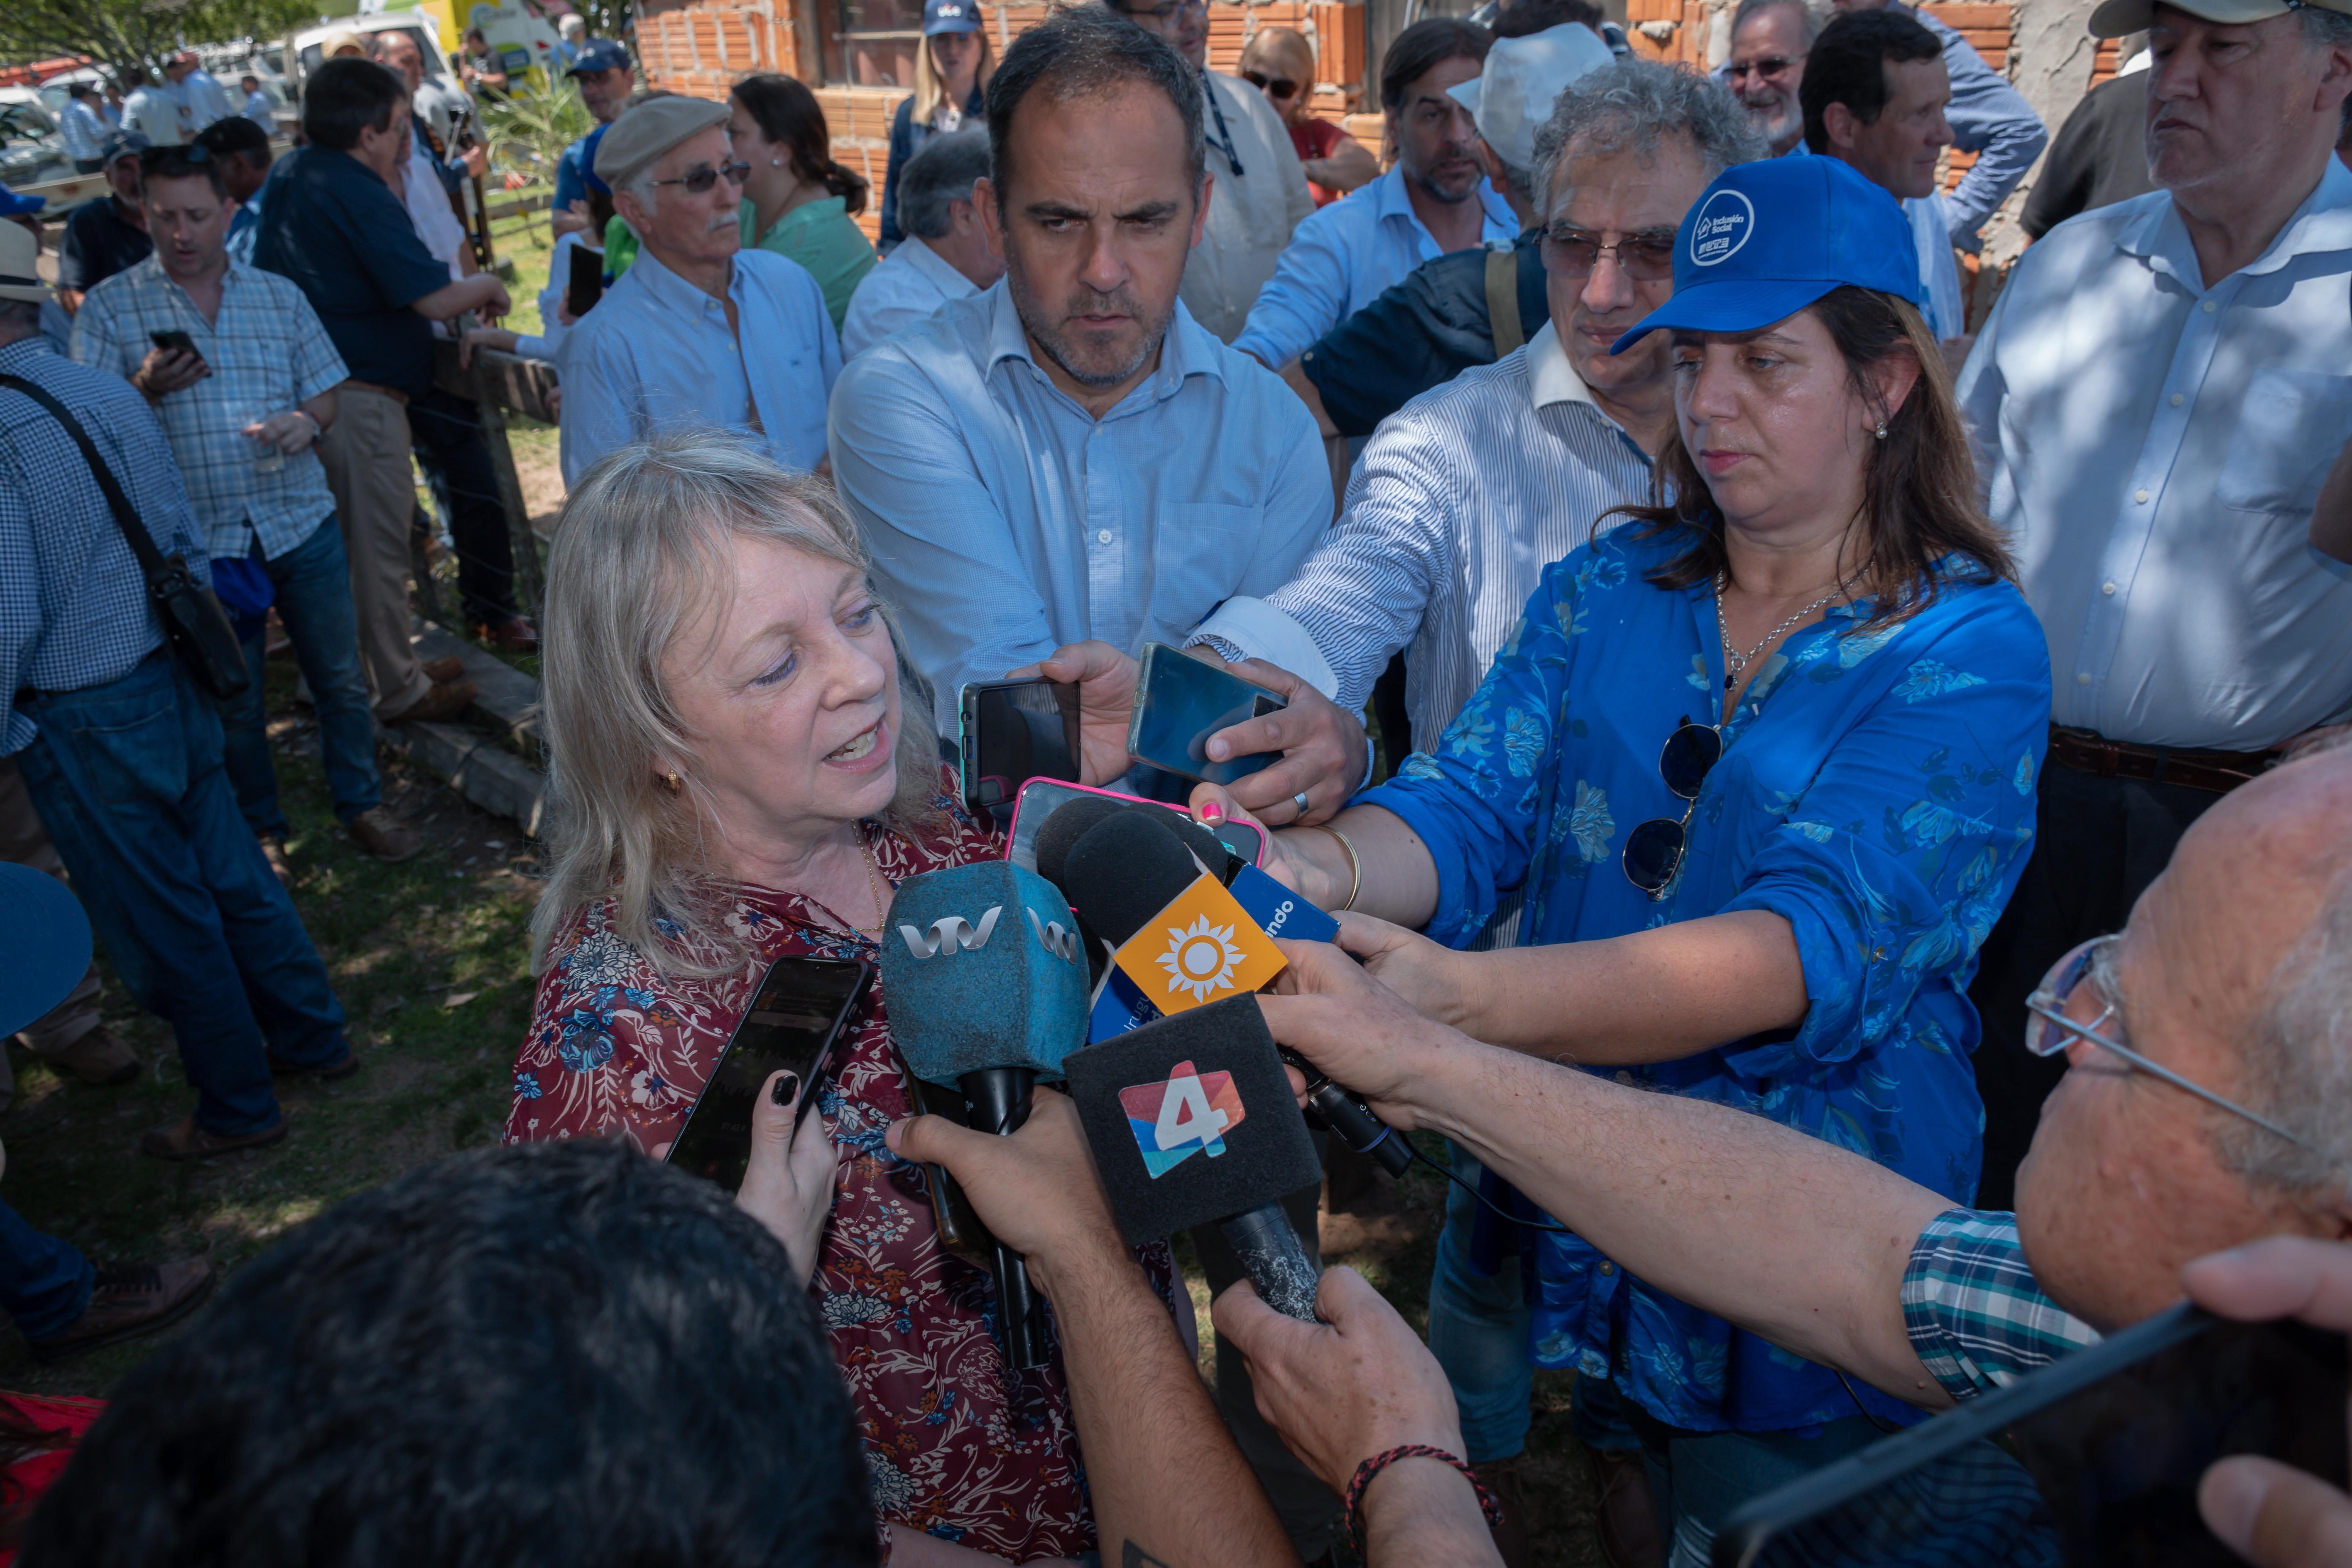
1200 552
2290 428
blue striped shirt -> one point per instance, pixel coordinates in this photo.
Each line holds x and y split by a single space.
74 611
1460 501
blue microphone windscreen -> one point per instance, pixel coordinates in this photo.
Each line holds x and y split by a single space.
982 968
1191 1119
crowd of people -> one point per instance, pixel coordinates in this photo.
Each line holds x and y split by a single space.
1859 885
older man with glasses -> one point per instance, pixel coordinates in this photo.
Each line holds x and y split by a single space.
699 331
2204 1106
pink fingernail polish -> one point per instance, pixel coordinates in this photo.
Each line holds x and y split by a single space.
1213 812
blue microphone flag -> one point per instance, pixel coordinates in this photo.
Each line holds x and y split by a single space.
982 968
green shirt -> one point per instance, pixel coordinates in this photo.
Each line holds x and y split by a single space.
820 235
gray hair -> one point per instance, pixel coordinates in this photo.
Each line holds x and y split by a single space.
1627 107
640 553
1810 18
2298 1064
943 170
2325 29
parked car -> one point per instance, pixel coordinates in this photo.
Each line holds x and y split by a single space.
31 149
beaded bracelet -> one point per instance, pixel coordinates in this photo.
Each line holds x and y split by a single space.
1370 1468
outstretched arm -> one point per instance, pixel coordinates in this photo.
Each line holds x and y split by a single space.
1169 1487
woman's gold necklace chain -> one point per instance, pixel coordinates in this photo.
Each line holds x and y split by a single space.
873 876
1735 663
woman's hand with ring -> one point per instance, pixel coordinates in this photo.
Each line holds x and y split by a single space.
1288 859
788 1186
1322 744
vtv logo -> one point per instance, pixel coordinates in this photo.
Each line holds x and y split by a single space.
1189 1114
1063 944
950 932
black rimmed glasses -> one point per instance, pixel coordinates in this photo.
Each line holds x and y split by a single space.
1654 850
1575 252
2048 1029
699 181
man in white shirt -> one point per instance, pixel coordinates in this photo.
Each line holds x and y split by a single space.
2156 400
1873 97
153 110
198 92
1261 191
945 254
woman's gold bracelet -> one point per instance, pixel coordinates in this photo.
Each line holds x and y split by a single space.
1355 863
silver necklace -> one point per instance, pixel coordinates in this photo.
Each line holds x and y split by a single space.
1735 663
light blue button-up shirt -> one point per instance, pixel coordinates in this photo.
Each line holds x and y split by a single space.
1005 521
656 354
1343 258
2154 448
84 131
1989 118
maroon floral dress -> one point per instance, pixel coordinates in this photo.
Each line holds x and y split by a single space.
956 1444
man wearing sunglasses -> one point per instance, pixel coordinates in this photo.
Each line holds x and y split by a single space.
699 329
1769 41
1260 193
2207 1102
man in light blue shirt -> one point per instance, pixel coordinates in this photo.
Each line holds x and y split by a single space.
1069 455
258 107
84 129
945 254
699 331
1435 201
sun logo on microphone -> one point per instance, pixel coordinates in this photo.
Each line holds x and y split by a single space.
1200 958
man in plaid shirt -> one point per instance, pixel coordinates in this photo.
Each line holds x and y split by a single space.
242 412
2207 1103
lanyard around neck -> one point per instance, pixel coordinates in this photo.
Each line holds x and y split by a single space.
1224 138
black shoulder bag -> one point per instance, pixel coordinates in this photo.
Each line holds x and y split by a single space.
193 619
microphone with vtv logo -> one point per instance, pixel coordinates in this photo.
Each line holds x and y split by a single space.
986 989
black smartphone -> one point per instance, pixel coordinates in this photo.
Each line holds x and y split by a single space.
796 1015
1180 702
175 340
584 285
2090 1462
1009 732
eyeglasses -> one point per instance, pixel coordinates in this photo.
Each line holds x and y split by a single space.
1771 67
1279 86
1574 253
2048 1029
702 179
1654 850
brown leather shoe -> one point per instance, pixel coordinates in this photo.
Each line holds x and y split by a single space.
1625 1510
130 1300
517 636
100 1059
384 836
183 1139
1501 1476
446 700
273 849
342 1066
448 667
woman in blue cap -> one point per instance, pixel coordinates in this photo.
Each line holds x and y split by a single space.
1763 761
951 72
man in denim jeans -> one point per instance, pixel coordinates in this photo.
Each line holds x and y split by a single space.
122 752
241 413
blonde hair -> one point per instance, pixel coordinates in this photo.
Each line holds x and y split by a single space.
641 551
931 91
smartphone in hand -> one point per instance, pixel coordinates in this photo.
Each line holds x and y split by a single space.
796 1015
1180 702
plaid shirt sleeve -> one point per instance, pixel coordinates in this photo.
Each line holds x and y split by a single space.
1972 1309
317 365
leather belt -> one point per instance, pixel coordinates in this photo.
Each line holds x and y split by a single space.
2087 752
396 396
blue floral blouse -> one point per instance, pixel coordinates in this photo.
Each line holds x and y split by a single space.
1877 790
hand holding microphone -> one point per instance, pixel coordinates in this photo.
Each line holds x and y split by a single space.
1035 1191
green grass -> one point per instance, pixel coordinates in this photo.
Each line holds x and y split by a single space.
431 961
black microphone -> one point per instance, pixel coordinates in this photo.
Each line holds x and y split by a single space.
1191 1121
986 991
1124 870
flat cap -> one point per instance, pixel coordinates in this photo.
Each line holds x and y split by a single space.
632 142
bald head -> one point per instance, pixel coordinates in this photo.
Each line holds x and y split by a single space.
2231 972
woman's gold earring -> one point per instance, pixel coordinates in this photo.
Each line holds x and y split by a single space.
1882 436
672 783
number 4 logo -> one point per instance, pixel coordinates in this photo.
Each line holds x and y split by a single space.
1188 1114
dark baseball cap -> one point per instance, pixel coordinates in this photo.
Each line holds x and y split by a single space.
599 55
950 16
120 145
1767 239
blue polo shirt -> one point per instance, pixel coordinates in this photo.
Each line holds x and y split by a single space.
337 231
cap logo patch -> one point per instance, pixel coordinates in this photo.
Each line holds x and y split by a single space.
1722 226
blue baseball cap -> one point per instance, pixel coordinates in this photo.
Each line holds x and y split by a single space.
46 939
598 55
950 16
1767 239
14 206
